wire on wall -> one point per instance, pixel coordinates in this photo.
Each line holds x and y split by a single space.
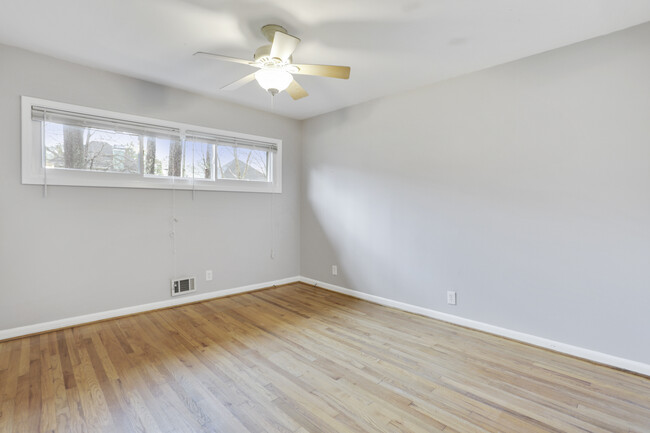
272 221
172 233
44 154
193 161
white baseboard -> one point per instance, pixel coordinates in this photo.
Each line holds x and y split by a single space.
93 317
591 355
580 352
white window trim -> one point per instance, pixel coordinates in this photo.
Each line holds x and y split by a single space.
33 172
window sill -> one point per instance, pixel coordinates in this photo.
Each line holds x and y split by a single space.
120 180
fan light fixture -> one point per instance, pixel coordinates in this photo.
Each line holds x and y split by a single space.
273 80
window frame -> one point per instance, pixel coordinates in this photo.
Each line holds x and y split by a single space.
34 173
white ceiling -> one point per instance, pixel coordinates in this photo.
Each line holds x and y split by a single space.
391 45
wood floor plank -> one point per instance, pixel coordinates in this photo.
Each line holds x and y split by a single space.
298 359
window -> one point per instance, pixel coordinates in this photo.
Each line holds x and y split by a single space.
65 144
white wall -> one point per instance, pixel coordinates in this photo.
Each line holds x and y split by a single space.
524 187
85 250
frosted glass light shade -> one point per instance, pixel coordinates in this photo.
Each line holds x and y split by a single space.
273 79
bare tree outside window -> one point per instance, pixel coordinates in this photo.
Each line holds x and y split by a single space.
150 160
85 148
73 147
175 159
206 162
242 163
95 149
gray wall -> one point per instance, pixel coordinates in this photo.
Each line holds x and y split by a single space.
524 187
84 250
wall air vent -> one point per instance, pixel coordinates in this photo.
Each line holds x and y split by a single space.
182 286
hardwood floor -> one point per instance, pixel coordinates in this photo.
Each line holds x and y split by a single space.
301 359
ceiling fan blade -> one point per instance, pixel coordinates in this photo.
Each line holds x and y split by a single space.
237 84
296 91
225 58
342 72
283 46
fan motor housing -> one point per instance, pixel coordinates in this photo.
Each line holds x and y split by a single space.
263 57
269 31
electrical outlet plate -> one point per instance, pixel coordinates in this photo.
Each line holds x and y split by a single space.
451 297
335 270
208 275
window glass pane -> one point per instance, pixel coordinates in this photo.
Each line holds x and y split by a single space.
133 151
166 157
242 163
199 160
94 149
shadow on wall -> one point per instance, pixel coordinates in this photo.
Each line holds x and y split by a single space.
368 231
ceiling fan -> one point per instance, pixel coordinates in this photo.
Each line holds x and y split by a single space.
275 64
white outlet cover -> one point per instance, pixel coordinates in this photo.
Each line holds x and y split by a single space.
335 270
451 297
208 275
